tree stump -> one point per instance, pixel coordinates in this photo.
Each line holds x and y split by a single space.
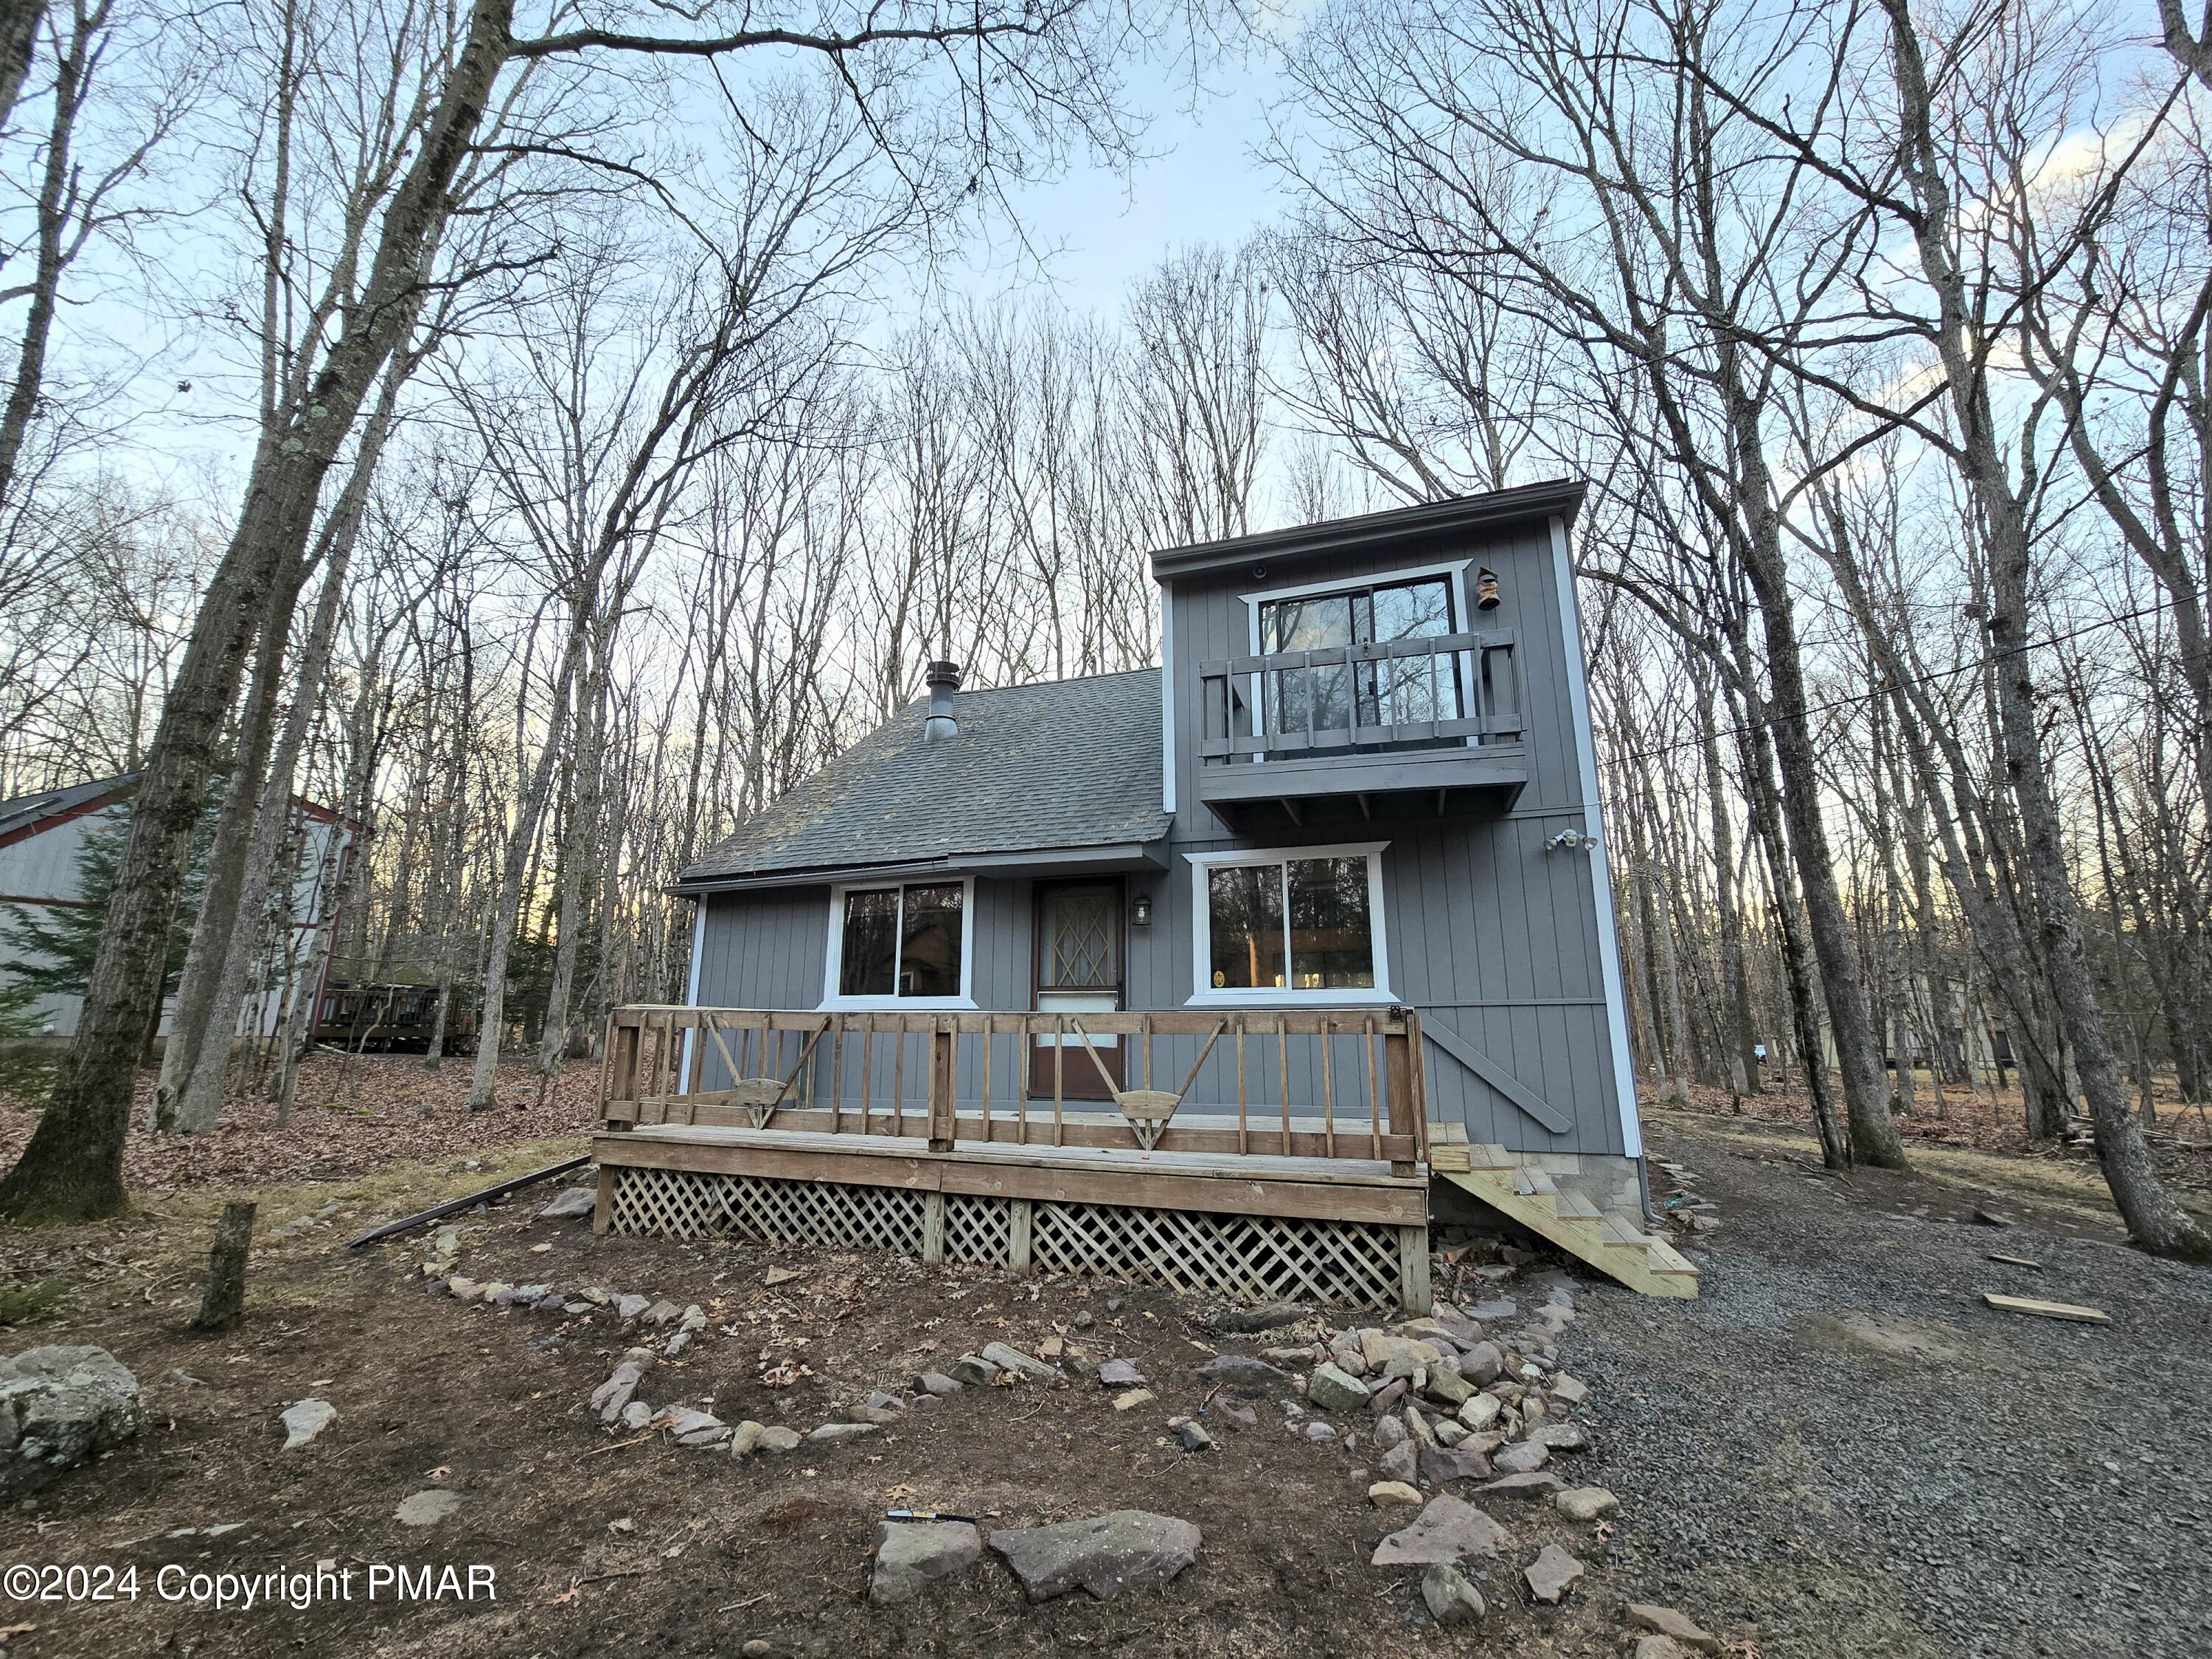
226 1285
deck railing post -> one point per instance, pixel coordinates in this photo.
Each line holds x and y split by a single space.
1399 1062
622 1063
941 1123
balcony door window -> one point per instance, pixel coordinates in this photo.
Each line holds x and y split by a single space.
1392 691
1303 925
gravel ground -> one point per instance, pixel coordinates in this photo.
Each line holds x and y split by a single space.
1839 1449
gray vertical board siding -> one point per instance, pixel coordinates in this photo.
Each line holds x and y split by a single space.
1488 933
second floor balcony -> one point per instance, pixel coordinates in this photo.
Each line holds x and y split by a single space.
1433 717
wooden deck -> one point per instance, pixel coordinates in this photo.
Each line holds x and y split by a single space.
878 1130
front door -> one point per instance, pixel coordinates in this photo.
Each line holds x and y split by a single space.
1079 970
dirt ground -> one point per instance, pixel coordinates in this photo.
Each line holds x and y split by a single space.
1835 1451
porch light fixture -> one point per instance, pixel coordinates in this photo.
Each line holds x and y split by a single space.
1486 589
1140 910
1572 840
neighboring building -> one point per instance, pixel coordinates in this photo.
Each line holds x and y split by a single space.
1363 778
42 843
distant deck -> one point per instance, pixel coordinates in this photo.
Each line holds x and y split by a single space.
848 1129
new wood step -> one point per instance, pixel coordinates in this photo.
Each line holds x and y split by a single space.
1614 1245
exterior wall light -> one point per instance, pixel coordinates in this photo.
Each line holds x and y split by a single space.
1572 840
1140 910
1486 589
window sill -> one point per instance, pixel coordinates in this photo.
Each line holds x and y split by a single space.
1356 997
896 1004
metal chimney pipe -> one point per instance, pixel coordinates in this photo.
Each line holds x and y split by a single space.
943 679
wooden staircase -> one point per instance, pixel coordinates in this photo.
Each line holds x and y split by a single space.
1615 1245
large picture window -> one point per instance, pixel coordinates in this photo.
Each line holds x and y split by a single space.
900 944
1298 925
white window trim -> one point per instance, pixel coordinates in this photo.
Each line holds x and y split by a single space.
835 970
1205 996
1455 571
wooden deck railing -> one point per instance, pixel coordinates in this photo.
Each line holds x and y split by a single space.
1311 1083
1435 690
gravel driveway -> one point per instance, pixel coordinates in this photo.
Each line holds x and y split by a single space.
1839 1449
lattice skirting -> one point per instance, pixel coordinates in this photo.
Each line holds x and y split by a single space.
1248 1257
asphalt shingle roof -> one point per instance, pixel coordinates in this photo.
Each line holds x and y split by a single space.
1070 763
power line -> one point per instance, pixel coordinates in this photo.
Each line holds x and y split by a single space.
1888 686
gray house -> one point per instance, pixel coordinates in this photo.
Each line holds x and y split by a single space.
1362 779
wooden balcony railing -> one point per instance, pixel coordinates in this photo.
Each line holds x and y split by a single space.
1430 691
1312 1082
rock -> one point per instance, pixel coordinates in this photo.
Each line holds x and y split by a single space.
881 1402
694 1318
936 1383
1237 1416
427 1509
551 1301
698 1428
630 1307
1192 1436
185 1379
835 1433
1438 1466
777 1439
875 1416
1120 1374
1427 1328
674 1347
1347 1359
1451 1599
1550 1573
636 1416
1390 1494
1389 1432
1318 1432
61 1407
1985 1217
776 1276
1584 1503
1399 1462
465 1290
1490 1312
1480 1411
1381 1399
1243 1321
1131 1400
611 1395
1417 1428
1560 1436
497 1294
1128 1549
975 1370
1013 1359
577 1307
596 1297
745 1439
1448 1530
1659 1647
1379 1348
1112 1304
575 1201
1484 1363
1448 1389
1449 1431
1083 1320
1240 1372
305 1420
1304 1356
1523 1457
911 1555
663 1312
1543 1484
1567 1391
1330 1389
1677 1627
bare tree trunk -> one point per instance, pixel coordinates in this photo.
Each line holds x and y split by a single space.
2157 1223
